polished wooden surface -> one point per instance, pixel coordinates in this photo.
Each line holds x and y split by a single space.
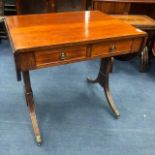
29 32
140 21
65 42
46 40
129 1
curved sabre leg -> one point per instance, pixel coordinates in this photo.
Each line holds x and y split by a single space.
109 96
103 80
31 106
93 81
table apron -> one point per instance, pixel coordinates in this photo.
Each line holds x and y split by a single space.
59 56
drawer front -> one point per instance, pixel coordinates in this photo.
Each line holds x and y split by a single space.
60 55
111 49
47 58
137 45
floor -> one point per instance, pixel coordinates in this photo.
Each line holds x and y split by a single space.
74 116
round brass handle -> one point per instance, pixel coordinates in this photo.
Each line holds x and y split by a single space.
63 56
112 48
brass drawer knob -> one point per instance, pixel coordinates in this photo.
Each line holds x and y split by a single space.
63 56
112 48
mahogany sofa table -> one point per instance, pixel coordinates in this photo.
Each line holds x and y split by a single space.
46 40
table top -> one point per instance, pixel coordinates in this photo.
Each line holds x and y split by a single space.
43 31
140 21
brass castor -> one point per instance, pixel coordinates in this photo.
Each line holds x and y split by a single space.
38 140
117 114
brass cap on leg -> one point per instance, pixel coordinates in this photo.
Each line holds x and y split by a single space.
38 140
117 114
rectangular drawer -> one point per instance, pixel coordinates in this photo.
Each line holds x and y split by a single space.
111 49
60 55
